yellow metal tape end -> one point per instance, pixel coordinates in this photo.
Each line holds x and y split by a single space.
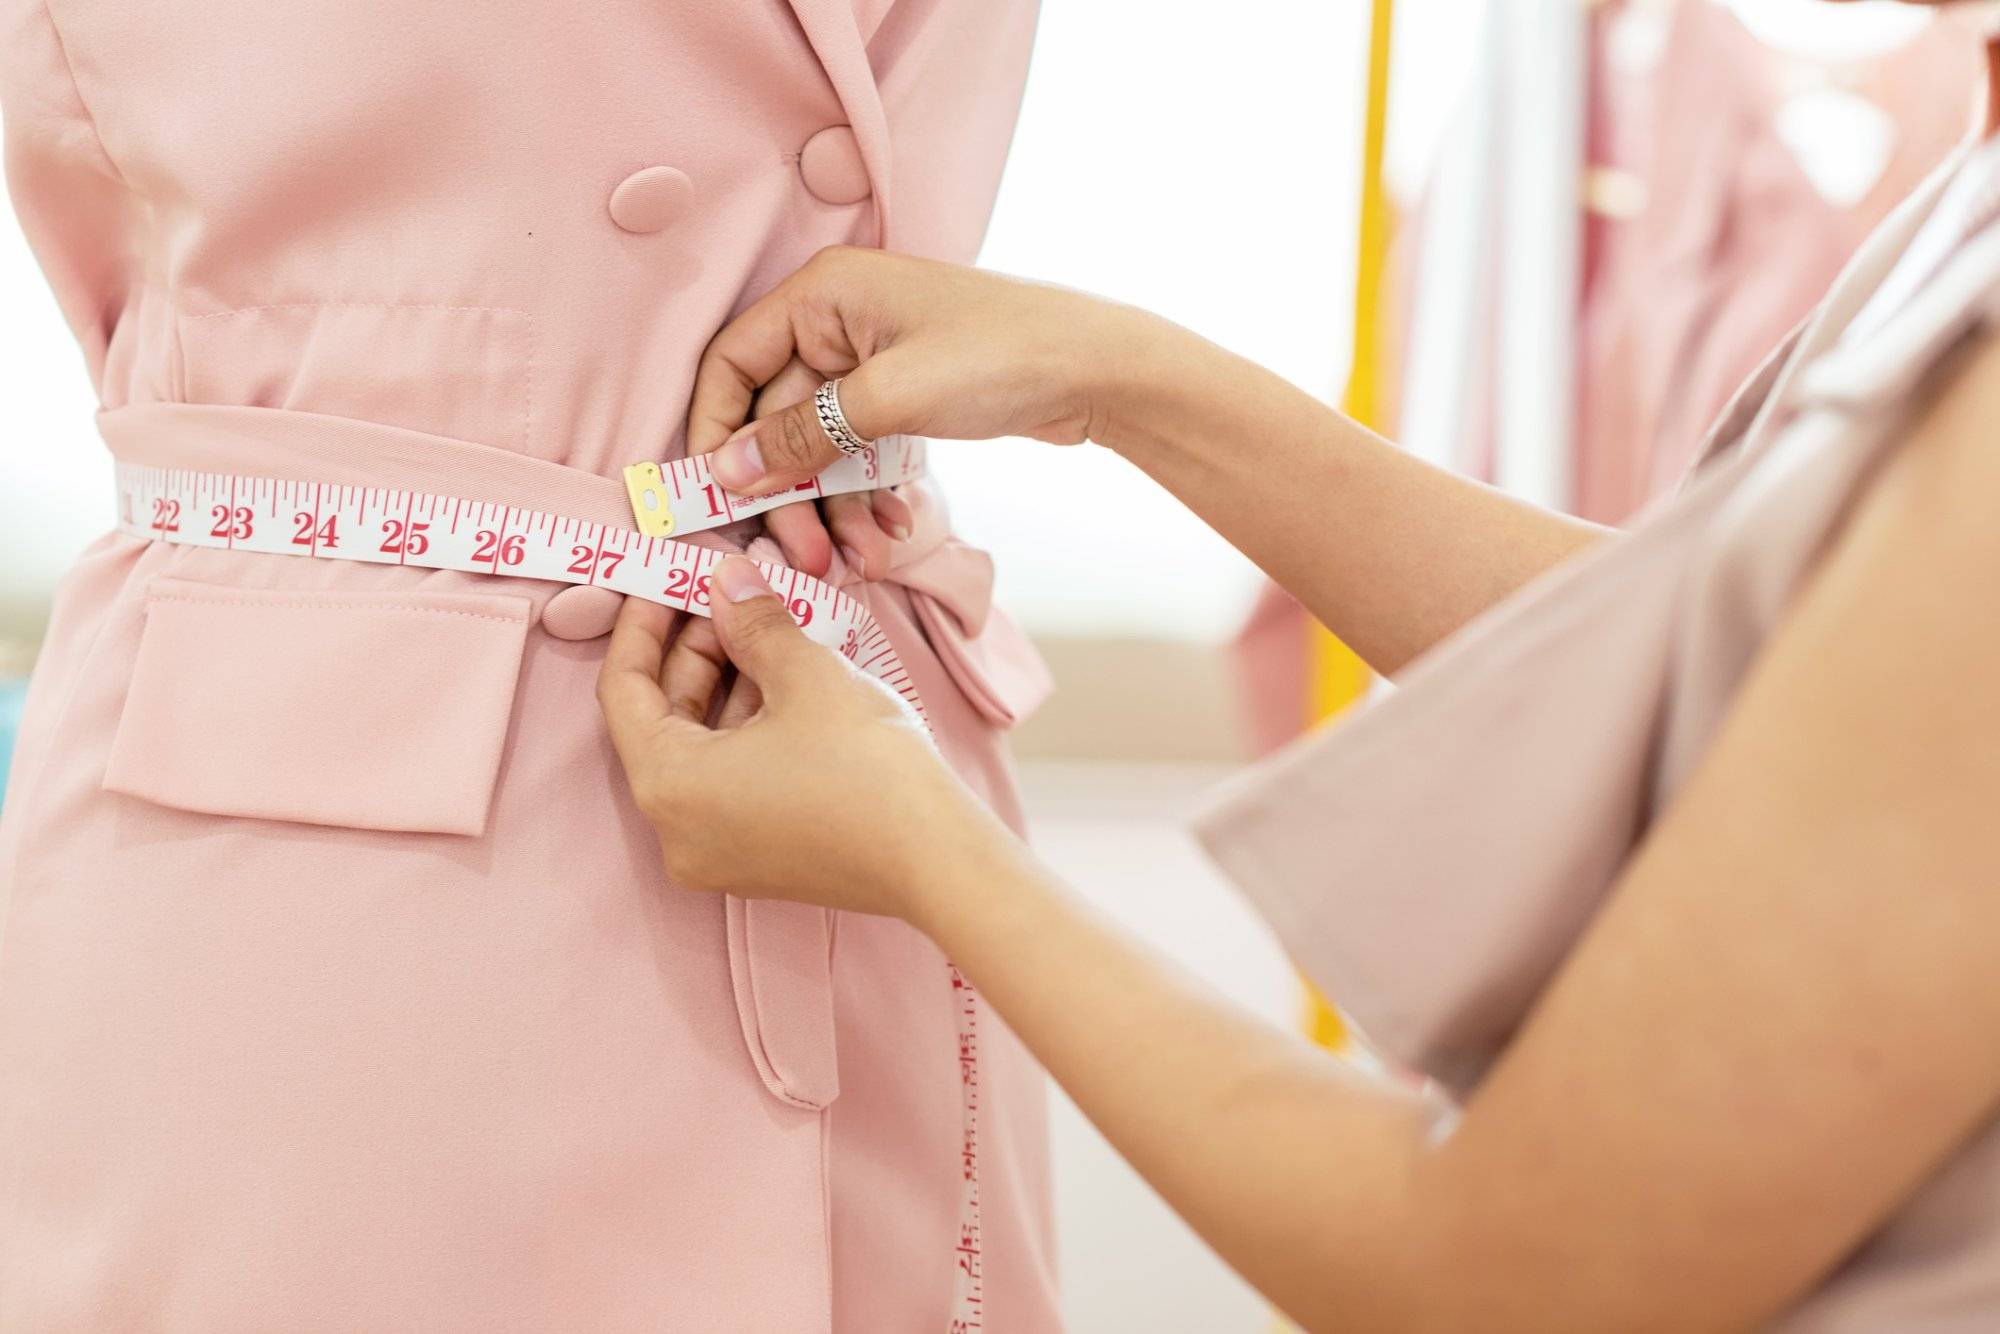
648 491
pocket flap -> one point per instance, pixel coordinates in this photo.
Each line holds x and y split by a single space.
376 710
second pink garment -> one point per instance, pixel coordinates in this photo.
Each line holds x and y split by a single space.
1435 861
1728 243
340 987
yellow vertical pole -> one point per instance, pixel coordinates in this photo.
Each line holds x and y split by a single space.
1339 676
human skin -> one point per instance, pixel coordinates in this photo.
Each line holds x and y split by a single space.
1390 552
1660 1147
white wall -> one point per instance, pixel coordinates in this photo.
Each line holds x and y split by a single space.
1203 169
55 478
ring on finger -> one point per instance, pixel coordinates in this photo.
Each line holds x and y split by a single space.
833 421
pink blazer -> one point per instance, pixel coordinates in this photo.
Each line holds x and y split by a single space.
339 987
1431 862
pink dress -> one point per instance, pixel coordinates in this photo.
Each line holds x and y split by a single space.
339 986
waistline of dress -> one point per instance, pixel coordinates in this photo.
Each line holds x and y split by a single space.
950 583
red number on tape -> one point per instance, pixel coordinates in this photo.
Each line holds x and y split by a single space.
401 539
490 548
231 523
326 535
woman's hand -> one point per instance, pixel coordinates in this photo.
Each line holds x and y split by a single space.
861 524
925 348
1391 553
814 784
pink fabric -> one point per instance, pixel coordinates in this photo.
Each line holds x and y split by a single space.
1733 244
420 677
286 1041
950 585
1272 655
1433 861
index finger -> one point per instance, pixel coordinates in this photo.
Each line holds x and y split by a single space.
747 354
628 685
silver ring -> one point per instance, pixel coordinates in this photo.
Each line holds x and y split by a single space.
834 422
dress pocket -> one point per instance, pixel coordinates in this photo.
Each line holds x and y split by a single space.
780 963
377 710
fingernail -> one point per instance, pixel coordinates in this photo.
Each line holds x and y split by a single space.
852 559
892 514
739 464
739 581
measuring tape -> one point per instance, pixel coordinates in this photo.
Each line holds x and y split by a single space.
683 497
969 1285
380 526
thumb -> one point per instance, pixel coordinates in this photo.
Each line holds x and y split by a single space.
789 446
758 631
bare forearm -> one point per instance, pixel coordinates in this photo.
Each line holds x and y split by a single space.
1290 1163
1389 552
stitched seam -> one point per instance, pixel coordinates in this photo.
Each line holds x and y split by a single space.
361 305
528 390
89 116
333 606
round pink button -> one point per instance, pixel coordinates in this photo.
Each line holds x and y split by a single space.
832 168
581 613
646 201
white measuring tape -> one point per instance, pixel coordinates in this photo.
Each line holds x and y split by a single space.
380 526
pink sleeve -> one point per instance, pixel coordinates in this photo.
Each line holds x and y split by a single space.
73 204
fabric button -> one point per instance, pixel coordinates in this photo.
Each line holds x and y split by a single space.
832 167
646 201
581 613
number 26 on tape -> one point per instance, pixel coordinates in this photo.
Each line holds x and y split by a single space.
488 548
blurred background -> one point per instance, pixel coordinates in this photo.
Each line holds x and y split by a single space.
1532 166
